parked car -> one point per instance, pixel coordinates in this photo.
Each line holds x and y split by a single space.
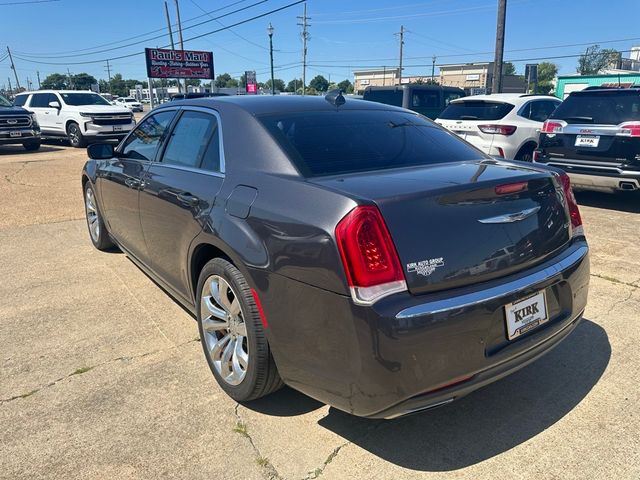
80 116
428 100
504 125
332 245
192 95
130 103
595 137
18 126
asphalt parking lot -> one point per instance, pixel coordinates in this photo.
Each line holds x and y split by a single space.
103 375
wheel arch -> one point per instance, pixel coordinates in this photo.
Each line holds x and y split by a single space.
202 252
529 144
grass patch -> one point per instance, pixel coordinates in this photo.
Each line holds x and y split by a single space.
241 428
262 461
81 370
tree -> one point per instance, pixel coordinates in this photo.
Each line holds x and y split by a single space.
508 68
294 85
194 82
83 81
279 84
596 59
547 71
224 80
346 86
55 81
319 83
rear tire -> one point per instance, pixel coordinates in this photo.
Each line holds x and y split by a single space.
526 153
32 146
76 139
232 334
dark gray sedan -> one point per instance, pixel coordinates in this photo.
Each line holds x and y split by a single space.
354 251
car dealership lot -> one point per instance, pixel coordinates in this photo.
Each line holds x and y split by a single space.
102 375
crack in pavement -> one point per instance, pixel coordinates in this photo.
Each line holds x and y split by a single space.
86 369
615 280
269 471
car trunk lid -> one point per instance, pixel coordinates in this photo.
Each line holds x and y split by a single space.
462 223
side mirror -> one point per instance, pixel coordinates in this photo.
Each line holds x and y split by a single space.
55 104
100 151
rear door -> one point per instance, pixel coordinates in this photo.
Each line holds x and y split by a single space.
120 180
180 188
591 128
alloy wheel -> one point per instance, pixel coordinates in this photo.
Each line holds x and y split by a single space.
92 214
224 328
74 135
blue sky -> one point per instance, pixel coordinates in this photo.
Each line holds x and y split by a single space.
345 35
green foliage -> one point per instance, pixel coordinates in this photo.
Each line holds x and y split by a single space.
55 81
547 71
226 81
294 85
346 86
319 83
508 68
83 81
279 84
596 59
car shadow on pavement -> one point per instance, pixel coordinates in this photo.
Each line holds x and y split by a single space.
621 201
491 420
19 150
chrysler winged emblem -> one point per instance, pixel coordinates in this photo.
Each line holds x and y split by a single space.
511 217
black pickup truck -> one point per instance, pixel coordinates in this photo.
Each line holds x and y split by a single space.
18 126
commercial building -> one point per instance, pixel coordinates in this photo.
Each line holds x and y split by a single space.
477 78
572 83
375 78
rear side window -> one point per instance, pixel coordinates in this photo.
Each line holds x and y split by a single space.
476 110
20 100
334 143
450 96
600 107
425 99
194 142
388 97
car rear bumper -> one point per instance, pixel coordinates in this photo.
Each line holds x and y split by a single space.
409 353
599 177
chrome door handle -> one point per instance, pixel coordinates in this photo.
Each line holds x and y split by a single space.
188 199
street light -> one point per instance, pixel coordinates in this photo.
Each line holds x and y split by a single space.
270 33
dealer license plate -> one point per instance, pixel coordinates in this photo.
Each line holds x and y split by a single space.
526 314
15 134
587 141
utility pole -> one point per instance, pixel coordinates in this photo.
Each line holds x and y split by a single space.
180 36
433 69
108 70
173 47
69 77
496 84
10 87
13 67
401 33
305 37
270 33
38 74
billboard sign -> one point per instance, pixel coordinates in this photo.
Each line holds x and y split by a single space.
163 63
251 82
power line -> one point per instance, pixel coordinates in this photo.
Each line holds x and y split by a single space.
88 62
151 38
27 2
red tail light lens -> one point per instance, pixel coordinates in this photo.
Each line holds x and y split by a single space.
369 257
498 129
509 188
572 205
630 129
551 127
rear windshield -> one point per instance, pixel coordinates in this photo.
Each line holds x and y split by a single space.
608 107
388 97
476 110
335 143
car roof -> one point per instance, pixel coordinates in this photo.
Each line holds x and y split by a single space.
56 91
515 98
261 104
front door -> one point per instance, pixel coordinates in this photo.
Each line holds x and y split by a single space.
120 181
48 117
180 188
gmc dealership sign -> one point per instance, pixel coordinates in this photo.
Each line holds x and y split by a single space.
163 63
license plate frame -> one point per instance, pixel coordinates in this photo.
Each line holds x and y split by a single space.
526 314
587 141
15 134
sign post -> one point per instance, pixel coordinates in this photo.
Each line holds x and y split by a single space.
251 84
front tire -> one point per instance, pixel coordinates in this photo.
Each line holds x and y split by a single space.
32 146
97 229
232 334
76 139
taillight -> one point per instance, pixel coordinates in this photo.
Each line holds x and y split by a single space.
368 255
498 129
574 212
536 155
509 188
630 129
551 127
